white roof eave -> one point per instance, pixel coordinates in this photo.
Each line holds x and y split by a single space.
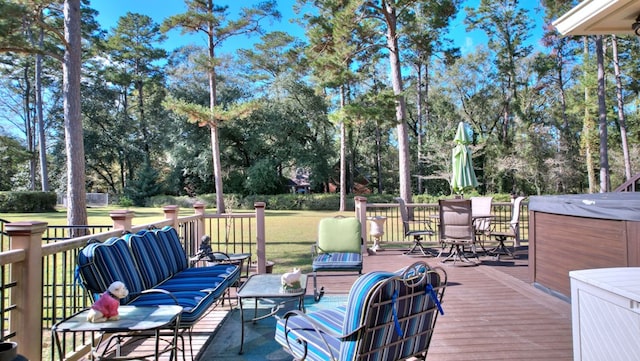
599 17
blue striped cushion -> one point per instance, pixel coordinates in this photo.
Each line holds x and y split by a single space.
418 329
155 273
337 261
153 266
103 263
194 304
300 327
171 248
357 306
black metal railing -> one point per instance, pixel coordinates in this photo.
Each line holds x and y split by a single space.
428 213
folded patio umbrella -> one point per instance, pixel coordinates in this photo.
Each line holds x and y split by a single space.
463 176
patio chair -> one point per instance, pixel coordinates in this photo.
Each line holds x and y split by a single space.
410 229
456 229
481 215
338 248
508 231
388 316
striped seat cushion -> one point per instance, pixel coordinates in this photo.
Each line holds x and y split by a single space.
195 304
301 328
337 261
150 259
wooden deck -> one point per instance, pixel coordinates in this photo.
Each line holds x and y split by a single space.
492 312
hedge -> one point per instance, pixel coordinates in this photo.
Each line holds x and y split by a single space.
27 202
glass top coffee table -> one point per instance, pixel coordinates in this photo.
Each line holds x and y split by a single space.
133 319
268 287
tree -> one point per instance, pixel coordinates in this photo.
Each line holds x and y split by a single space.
13 154
507 27
74 143
131 48
331 52
602 117
203 16
620 103
391 15
426 38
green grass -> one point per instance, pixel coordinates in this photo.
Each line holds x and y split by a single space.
97 216
290 235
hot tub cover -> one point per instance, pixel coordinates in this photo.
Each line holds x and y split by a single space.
623 206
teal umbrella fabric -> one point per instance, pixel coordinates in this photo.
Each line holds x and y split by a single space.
463 176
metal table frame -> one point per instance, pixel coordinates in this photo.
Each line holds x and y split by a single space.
268 287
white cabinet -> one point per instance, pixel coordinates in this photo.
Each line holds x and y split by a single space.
605 311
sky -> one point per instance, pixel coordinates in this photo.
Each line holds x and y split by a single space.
158 10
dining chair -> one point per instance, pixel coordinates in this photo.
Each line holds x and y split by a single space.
481 216
456 229
509 231
415 229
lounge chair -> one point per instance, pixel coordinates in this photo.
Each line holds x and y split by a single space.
338 248
388 316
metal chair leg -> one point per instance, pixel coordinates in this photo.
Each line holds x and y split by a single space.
317 295
501 248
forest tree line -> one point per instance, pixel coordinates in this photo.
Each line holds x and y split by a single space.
372 95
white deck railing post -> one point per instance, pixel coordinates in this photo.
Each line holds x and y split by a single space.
26 319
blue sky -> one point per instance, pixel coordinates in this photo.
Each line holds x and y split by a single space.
158 10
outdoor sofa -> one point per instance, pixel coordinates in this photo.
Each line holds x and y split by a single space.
155 268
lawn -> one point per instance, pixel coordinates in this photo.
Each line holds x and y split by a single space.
289 234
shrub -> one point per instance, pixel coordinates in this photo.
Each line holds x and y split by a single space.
27 202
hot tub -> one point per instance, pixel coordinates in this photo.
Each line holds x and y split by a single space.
581 231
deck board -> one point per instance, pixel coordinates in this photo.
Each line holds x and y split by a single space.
492 312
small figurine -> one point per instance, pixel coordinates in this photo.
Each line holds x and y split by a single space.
291 280
106 307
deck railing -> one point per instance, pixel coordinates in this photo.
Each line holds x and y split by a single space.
38 271
428 212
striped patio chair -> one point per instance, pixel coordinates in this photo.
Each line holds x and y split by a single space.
388 316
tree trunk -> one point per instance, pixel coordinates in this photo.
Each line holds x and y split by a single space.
71 68
42 143
343 156
587 127
28 129
396 79
379 157
602 117
215 147
419 108
621 118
